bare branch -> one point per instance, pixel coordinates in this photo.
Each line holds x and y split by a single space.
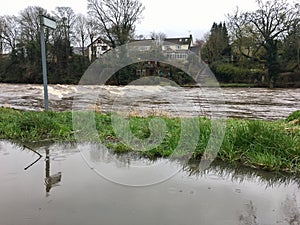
116 18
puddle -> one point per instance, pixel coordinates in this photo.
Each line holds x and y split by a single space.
70 185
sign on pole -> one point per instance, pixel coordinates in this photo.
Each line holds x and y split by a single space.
49 23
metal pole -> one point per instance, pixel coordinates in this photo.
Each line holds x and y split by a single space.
43 49
298 53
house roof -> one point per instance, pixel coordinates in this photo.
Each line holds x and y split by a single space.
101 39
167 41
180 40
141 42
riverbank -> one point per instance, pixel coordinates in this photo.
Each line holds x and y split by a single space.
273 146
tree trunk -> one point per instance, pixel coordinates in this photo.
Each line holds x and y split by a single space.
272 64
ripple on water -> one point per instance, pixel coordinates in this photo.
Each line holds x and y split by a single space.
254 103
51 189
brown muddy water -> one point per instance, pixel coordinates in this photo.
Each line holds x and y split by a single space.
253 103
80 184
87 184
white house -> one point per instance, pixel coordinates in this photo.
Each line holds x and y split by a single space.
98 48
173 48
177 48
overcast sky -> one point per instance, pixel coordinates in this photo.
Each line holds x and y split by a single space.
175 18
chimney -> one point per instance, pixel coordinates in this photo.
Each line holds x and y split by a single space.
191 40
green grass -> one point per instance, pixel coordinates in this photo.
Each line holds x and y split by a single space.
270 145
294 118
237 85
35 126
264 144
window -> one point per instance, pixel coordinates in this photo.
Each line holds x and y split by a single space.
104 48
139 72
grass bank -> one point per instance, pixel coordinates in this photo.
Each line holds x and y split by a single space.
236 85
273 146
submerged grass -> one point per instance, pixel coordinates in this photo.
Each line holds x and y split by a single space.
273 146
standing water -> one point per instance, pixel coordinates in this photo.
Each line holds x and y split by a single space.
62 188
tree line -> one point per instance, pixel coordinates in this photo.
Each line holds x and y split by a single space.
258 46
251 46
20 56
20 37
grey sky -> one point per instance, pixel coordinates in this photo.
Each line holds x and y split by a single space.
175 18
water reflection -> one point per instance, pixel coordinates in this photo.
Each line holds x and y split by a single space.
223 194
34 162
50 180
100 155
127 169
240 174
222 170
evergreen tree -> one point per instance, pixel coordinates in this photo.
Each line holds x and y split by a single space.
217 44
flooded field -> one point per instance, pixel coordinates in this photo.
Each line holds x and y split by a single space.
253 103
86 184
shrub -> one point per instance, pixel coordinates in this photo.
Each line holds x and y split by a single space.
228 73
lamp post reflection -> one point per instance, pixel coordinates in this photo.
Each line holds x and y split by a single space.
50 180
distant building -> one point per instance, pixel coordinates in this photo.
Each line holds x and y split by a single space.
177 48
99 47
172 48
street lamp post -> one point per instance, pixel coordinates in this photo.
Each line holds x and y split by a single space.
49 23
298 52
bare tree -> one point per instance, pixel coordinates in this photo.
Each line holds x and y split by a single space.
81 29
65 19
9 32
92 34
269 24
116 18
139 37
199 42
30 23
2 24
159 37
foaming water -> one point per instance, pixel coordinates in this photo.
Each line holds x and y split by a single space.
250 103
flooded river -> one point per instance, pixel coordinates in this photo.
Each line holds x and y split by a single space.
48 184
74 184
253 103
